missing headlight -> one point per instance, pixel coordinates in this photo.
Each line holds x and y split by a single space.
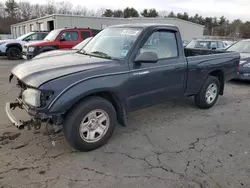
45 97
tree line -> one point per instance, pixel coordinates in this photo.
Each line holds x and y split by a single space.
12 12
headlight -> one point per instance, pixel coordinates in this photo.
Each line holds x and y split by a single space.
32 97
247 65
31 49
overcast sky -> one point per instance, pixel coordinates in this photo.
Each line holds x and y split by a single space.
232 9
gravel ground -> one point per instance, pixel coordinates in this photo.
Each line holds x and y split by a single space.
173 144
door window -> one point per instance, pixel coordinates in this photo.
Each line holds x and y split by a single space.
163 43
213 45
85 34
32 37
220 45
69 36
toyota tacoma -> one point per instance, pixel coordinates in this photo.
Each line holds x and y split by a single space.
122 69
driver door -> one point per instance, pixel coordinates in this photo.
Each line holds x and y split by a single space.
152 83
68 39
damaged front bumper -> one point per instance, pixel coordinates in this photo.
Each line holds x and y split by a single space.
36 118
10 115
11 106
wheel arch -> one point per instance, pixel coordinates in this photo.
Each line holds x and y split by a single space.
112 98
219 74
14 45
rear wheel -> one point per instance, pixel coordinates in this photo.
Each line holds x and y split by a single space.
209 93
90 124
14 53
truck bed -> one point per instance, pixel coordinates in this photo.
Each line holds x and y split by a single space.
197 52
201 62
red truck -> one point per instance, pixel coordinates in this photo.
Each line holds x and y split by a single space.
57 39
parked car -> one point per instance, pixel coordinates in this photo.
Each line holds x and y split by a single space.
12 48
122 69
207 44
228 43
57 39
185 43
64 51
243 47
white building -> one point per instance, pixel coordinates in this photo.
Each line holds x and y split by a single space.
188 30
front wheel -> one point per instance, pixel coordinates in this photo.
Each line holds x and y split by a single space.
13 53
208 94
90 124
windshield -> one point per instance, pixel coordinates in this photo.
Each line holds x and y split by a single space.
113 42
198 44
242 47
24 36
52 35
82 44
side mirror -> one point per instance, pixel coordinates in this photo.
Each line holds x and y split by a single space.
146 57
213 48
62 39
27 40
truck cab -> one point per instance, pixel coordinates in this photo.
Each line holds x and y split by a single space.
57 39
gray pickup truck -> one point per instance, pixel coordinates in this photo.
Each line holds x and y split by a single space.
122 69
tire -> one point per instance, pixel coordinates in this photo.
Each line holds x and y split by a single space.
14 53
201 100
75 119
29 57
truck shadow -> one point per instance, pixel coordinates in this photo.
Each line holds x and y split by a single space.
239 82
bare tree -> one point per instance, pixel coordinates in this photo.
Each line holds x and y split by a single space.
50 7
163 13
90 12
99 12
25 10
65 7
38 11
80 10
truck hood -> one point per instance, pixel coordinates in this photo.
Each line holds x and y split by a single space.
38 71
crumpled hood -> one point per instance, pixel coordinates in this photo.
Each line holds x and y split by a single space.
38 71
54 53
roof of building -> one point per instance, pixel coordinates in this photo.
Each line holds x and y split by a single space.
144 25
208 40
155 19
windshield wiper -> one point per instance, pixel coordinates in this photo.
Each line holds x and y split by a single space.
82 51
102 54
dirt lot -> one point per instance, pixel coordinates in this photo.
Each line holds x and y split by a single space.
169 145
